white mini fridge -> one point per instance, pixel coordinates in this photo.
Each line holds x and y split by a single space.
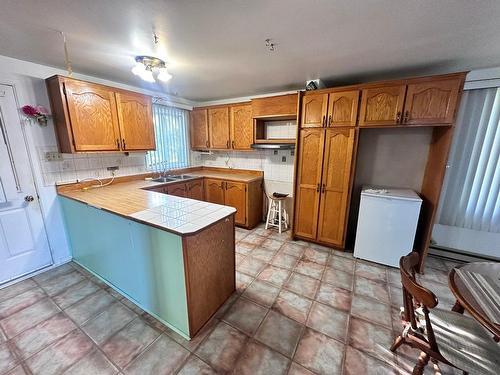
387 223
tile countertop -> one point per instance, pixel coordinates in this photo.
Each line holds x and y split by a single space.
129 199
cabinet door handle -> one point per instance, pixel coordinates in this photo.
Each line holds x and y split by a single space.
323 188
123 143
117 143
407 116
232 144
207 143
317 188
323 121
227 144
330 120
398 117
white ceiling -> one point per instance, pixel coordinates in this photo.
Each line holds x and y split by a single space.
216 49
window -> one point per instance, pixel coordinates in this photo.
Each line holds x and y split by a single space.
172 147
471 198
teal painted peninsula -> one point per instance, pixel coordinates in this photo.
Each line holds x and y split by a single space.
173 256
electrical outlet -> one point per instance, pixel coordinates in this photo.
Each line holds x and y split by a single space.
283 159
53 156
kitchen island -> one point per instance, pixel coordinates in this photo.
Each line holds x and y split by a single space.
173 256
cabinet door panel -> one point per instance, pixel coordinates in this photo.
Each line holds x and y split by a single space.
432 102
178 190
335 185
314 110
235 196
308 180
199 129
382 105
195 189
136 121
241 127
214 191
94 119
343 108
218 124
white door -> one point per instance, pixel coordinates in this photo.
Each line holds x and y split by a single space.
23 241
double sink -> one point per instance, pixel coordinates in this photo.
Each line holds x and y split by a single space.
180 177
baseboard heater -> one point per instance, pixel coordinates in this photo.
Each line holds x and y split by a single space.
460 255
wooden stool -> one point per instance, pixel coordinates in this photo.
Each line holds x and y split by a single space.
276 208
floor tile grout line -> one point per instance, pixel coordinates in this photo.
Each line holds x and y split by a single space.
77 327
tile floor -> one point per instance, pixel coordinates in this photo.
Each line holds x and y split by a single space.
299 309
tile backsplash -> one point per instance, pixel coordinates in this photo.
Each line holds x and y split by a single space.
277 165
92 165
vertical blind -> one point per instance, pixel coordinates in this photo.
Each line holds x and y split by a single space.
471 197
171 130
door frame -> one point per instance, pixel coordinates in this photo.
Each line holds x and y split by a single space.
23 124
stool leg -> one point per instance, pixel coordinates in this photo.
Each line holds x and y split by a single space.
279 215
268 213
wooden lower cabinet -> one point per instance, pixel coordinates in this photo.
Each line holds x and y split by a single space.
235 195
194 189
178 190
246 197
335 185
323 184
214 190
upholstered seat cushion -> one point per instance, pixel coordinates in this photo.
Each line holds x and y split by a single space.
465 343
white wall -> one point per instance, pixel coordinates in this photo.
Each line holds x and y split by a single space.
28 81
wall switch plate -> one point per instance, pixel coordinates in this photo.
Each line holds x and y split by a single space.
283 159
53 156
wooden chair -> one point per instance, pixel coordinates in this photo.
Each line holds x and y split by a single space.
442 335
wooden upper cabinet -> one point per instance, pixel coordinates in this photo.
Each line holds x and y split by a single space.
382 105
194 189
241 127
308 182
214 190
314 108
199 129
218 125
343 108
93 116
432 102
335 185
235 196
135 117
275 106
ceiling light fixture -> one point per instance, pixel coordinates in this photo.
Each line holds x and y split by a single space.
146 65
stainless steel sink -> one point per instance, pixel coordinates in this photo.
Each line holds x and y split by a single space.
173 178
165 179
182 177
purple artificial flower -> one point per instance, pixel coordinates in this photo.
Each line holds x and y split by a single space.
41 110
29 110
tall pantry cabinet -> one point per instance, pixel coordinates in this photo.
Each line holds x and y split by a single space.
325 162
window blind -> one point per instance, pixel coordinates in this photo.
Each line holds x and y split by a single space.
171 131
471 195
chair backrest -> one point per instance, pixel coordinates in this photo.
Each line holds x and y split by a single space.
415 295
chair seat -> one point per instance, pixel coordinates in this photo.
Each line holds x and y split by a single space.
465 343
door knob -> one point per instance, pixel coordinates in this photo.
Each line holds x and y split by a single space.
29 198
